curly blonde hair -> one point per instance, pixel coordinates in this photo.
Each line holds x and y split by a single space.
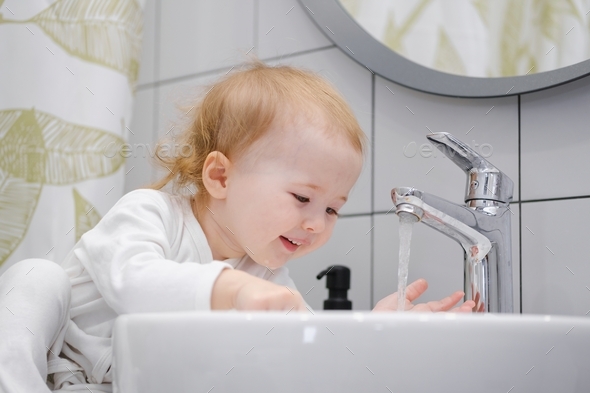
239 109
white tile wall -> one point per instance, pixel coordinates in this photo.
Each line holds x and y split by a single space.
147 71
140 136
555 141
556 268
354 82
350 246
199 36
433 256
284 28
404 157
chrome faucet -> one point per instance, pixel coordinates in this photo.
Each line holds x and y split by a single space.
481 226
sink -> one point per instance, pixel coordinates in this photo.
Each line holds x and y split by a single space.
340 351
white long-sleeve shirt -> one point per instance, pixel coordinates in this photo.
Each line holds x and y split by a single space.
147 254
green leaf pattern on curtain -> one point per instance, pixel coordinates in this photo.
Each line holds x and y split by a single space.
548 14
106 32
447 58
86 216
18 200
394 36
37 148
512 52
41 146
483 9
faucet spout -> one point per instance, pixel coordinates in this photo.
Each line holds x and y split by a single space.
456 222
413 201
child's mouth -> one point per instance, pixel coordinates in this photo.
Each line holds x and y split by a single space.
288 245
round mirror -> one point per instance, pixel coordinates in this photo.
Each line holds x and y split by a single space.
462 48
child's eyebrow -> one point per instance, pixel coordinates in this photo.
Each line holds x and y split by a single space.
318 188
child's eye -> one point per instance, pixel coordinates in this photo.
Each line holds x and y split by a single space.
332 211
300 198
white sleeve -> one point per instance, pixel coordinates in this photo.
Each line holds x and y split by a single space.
124 255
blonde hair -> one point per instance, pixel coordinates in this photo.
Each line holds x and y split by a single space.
240 108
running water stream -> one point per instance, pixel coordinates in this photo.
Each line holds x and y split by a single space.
406 224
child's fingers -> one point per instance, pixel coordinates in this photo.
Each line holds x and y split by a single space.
388 303
466 307
415 289
455 298
446 303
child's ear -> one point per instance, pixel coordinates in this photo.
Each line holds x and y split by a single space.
215 171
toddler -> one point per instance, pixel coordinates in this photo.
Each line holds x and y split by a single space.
274 153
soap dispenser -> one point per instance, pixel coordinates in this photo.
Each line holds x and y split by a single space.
338 283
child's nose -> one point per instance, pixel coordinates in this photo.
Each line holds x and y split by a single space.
315 223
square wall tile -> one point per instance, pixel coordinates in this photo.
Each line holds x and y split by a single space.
349 246
555 261
198 36
138 168
404 157
148 44
354 83
435 257
555 141
285 28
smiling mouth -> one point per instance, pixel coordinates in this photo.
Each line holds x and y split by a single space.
291 241
289 244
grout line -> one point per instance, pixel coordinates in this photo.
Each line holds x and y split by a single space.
300 53
224 68
372 151
156 102
372 266
157 43
255 23
353 215
556 199
519 212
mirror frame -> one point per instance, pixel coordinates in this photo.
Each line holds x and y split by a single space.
340 28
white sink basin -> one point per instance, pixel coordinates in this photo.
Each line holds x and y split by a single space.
350 352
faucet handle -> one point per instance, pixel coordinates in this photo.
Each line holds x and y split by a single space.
484 181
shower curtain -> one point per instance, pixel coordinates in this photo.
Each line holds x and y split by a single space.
68 71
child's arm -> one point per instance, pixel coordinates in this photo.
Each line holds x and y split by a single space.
127 256
417 288
242 291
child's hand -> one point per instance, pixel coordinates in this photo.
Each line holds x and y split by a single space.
417 288
242 291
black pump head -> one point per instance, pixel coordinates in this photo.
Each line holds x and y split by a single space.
338 283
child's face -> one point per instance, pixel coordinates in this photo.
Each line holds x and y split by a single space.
289 184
